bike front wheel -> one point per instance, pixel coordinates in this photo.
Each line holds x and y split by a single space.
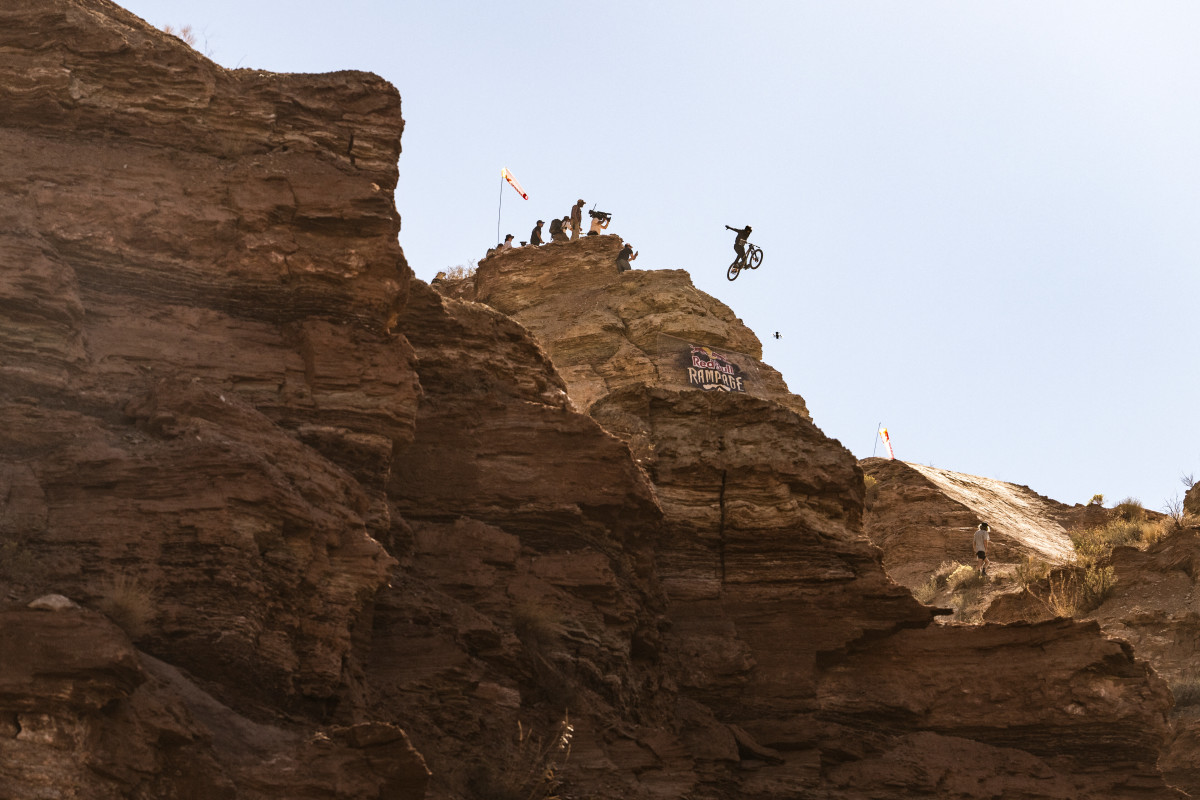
733 271
755 258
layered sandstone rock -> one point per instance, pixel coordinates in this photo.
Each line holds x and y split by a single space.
605 330
333 510
1191 501
800 668
199 399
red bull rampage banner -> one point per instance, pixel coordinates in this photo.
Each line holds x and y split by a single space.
711 371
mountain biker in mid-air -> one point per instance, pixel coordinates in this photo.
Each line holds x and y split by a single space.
739 244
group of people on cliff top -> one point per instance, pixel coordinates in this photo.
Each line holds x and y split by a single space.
569 227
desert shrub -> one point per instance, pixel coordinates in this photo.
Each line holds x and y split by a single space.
184 32
927 590
1097 500
1097 543
1173 508
529 767
1097 583
460 271
1186 688
966 604
963 577
872 487
1130 509
129 603
1031 570
1077 590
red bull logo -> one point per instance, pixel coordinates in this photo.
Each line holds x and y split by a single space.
711 371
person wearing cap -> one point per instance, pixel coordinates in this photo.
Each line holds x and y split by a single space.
508 245
576 220
982 537
624 257
535 238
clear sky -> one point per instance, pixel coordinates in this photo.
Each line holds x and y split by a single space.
979 219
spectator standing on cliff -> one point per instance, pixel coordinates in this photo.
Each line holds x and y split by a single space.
556 231
982 538
576 220
535 238
624 257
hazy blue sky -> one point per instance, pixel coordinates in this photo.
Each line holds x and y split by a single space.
979 219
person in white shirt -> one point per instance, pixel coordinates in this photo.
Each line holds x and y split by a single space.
982 538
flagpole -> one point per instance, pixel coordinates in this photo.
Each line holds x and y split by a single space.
499 207
877 427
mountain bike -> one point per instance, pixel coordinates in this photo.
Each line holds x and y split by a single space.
753 258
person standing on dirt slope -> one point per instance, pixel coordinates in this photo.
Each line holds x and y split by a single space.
982 538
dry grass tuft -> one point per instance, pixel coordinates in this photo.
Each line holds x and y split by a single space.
927 590
460 271
1186 688
964 577
529 768
1031 570
1075 591
183 32
129 603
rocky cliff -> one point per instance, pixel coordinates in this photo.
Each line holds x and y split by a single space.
279 521
783 625
1151 597
200 395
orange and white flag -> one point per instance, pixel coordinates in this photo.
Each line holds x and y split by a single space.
508 176
887 441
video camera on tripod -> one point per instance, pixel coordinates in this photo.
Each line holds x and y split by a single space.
603 216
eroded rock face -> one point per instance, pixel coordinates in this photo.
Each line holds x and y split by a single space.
1191 500
87 714
346 539
605 330
782 618
200 395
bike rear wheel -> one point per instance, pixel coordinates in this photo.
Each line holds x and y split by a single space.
733 271
755 258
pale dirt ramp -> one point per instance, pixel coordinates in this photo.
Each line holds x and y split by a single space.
923 517
1017 515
